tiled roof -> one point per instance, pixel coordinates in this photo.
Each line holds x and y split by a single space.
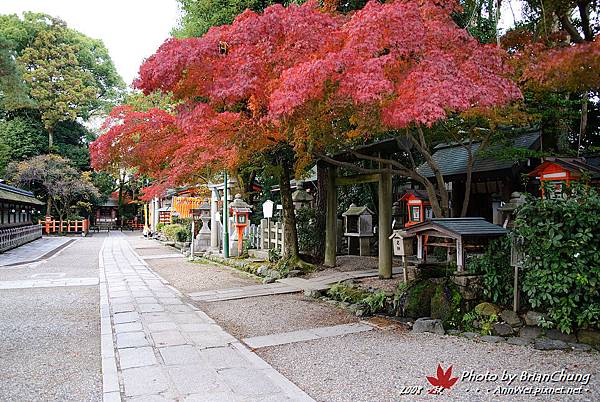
452 158
14 194
459 227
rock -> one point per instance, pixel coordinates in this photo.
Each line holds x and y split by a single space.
262 270
476 324
556 334
502 329
359 312
445 303
469 286
550 344
470 335
487 309
269 279
511 318
294 273
590 337
315 294
429 325
492 339
530 332
533 318
344 304
517 340
453 332
418 300
580 347
354 307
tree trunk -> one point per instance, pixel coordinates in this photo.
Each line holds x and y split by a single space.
121 185
49 206
50 139
321 207
467 197
583 123
290 232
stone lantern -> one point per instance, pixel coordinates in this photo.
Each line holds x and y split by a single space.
301 198
202 240
241 219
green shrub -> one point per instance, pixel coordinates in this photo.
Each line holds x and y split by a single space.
561 269
372 302
486 322
497 273
176 232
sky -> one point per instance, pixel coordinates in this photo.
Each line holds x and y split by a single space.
132 30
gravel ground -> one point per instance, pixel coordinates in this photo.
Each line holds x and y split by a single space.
373 366
50 337
68 261
273 314
50 344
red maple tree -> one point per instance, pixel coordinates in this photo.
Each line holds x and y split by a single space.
303 79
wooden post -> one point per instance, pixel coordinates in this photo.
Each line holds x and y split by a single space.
516 300
192 242
405 268
385 225
420 248
460 260
331 219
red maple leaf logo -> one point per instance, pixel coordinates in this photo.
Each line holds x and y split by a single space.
443 381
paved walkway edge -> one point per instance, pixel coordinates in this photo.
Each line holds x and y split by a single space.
110 378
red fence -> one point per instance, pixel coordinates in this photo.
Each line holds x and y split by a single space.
53 226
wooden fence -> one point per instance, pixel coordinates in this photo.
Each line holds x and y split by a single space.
15 237
271 237
68 226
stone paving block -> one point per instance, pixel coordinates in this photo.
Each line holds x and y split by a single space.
199 327
168 338
111 397
169 300
141 293
248 381
106 345
121 318
144 381
137 357
155 317
196 379
186 318
343 329
128 327
116 295
210 339
131 339
146 300
150 308
179 308
180 355
162 326
110 378
280 339
121 300
152 398
213 397
122 308
224 357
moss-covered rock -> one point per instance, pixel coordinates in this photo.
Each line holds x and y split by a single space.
487 309
418 300
446 304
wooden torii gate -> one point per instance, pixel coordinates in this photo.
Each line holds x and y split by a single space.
384 190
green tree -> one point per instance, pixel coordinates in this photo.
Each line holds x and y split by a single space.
56 179
58 84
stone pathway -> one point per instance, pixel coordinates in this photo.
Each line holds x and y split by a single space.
283 286
33 251
305 335
48 283
157 347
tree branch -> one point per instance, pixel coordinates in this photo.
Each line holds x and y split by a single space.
568 26
584 13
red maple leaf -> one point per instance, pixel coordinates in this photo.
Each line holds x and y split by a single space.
444 379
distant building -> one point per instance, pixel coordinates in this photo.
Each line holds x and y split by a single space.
17 209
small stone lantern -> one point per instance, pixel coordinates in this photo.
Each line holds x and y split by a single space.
241 219
301 198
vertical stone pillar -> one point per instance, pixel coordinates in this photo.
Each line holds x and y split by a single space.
214 224
385 225
331 218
